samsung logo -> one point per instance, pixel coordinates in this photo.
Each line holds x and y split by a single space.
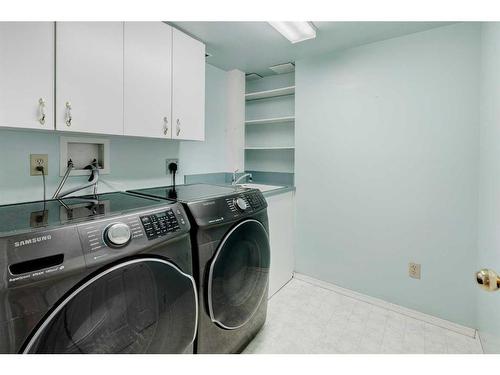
32 241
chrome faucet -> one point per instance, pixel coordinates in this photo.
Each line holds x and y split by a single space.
235 180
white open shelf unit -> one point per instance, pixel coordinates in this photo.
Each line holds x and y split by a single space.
270 124
273 120
266 94
270 148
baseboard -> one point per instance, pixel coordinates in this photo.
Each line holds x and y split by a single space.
467 331
478 336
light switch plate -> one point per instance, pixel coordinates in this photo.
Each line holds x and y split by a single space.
37 160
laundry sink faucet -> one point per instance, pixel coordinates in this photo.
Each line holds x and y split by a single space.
235 180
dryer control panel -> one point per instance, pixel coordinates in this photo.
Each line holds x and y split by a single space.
235 206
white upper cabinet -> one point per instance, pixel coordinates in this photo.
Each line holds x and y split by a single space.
89 77
27 75
148 79
142 79
188 93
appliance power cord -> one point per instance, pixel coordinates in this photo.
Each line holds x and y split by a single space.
172 167
41 169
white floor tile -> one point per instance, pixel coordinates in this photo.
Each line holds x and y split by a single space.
305 318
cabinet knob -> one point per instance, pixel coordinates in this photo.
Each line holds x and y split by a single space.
41 109
69 118
178 127
165 125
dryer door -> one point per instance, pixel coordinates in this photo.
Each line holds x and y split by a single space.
238 276
143 305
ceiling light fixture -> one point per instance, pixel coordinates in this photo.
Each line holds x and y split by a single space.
295 31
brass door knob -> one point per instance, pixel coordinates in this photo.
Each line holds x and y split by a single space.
488 280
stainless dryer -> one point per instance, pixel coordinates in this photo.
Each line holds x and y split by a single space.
231 254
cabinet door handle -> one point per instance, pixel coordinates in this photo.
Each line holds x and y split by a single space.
41 109
165 125
178 127
69 118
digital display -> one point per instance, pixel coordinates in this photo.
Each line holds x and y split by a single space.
161 214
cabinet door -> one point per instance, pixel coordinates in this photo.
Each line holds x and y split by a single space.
27 74
188 92
148 79
89 77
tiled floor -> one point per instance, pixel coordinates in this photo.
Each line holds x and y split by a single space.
304 318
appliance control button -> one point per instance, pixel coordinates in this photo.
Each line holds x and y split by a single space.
117 235
240 203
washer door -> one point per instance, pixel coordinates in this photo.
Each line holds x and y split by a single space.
144 305
239 274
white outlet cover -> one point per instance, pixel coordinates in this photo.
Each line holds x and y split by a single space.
414 270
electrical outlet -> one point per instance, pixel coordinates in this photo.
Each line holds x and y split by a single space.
176 161
39 160
414 270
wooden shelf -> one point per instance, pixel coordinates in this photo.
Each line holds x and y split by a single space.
271 148
290 90
270 120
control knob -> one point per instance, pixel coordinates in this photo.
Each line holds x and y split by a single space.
117 235
240 203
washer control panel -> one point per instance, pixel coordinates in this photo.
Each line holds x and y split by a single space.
161 223
107 239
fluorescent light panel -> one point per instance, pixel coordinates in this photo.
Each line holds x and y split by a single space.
295 31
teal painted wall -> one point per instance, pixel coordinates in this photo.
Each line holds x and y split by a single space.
386 169
135 162
489 186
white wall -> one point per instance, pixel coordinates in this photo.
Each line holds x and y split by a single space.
224 126
489 186
386 169
235 132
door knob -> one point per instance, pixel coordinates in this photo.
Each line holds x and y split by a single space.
488 280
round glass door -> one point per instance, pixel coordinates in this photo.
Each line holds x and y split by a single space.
145 305
239 274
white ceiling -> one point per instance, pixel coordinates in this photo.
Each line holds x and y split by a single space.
254 46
